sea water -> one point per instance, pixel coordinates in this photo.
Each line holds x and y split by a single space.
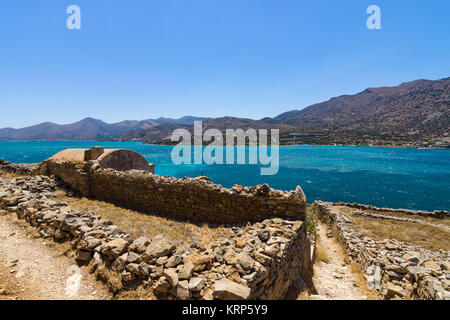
386 177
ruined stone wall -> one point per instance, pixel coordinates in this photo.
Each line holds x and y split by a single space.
396 270
264 260
195 199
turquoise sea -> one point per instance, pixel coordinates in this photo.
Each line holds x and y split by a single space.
387 177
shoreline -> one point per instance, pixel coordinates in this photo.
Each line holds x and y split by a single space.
284 145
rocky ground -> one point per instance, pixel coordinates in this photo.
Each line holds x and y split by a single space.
31 268
335 279
395 269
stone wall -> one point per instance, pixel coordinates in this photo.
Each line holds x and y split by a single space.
195 199
396 270
264 260
17 168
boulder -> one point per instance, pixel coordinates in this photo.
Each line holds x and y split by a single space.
159 247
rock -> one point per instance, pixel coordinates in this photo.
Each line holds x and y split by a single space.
225 289
161 286
120 262
133 268
272 250
127 276
417 272
159 247
182 290
395 268
394 275
140 244
174 261
263 235
391 290
201 262
430 264
83 256
391 246
262 258
197 284
230 257
171 276
133 257
245 261
144 269
162 260
186 271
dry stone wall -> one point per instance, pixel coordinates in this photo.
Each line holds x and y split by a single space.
264 260
17 168
396 270
195 199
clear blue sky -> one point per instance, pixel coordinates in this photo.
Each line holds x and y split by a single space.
140 59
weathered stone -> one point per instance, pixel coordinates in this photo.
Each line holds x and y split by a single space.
127 276
161 286
115 247
225 289
83 256
245 261
201 262
186 271
272 250
133 257
174 261
262 258
392 290
230 257
144 269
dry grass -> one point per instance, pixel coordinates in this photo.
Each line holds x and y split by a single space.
138 224
419 234
361 281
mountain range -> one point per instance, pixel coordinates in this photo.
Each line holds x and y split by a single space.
420 108
88 129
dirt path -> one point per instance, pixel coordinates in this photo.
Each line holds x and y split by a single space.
334 279
32 268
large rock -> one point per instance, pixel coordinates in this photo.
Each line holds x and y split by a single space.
228 290
159 247
115 247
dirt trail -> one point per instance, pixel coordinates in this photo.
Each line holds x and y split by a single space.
32 268
335 280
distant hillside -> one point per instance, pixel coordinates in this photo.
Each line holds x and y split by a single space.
87 129
422 106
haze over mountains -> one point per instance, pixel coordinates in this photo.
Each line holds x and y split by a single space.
88 129
420 107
